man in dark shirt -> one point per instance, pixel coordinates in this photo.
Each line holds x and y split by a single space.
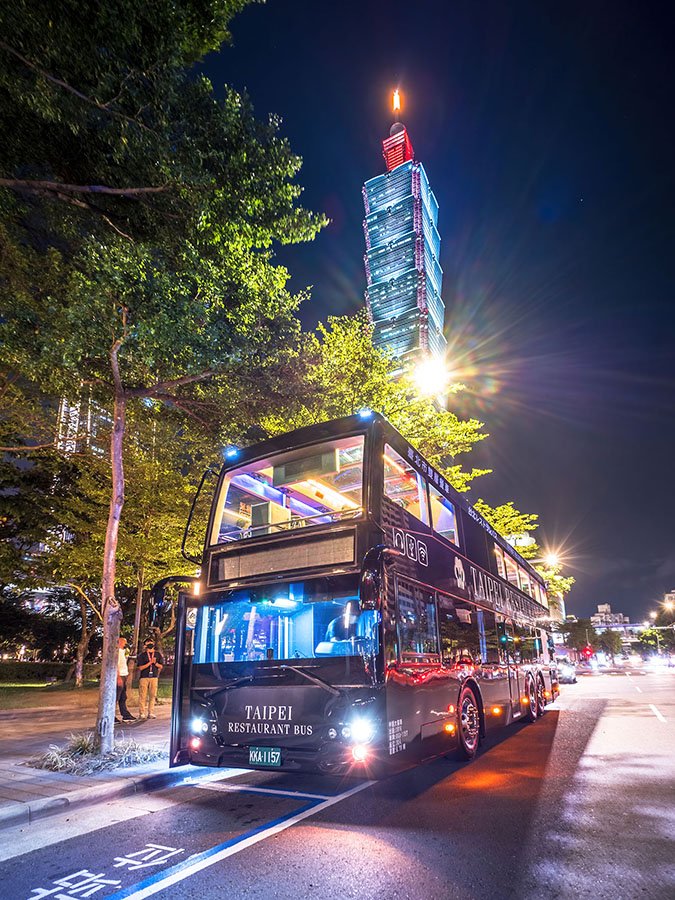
148 665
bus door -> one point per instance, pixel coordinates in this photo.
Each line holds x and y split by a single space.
186 618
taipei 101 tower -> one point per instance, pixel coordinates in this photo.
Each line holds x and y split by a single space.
403 273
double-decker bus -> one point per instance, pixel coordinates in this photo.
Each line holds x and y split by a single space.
355 613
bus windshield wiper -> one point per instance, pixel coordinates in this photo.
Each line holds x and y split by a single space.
226 687
314 678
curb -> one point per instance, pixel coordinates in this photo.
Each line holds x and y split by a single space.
26 813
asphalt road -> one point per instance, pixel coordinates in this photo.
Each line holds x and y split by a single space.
579 805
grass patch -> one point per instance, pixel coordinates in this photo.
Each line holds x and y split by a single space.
79 756
16 695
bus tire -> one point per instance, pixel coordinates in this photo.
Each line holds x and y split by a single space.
468 714
531 709
541 698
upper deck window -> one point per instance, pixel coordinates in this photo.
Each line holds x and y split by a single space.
443 516
311 486
405 486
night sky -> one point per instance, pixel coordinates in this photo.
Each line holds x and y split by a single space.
546 130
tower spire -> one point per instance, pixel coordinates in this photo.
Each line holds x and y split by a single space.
397 148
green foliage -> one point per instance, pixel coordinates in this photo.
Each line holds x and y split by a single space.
510 522
337 371
610 642
579 634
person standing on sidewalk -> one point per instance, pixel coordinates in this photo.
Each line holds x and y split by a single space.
122 676
149 664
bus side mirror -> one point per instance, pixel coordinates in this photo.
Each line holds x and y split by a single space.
370 586
370 589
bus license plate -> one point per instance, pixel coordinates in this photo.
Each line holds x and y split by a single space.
264 756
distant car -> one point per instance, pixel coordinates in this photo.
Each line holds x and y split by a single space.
566 672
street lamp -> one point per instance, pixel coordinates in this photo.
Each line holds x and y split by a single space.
431 376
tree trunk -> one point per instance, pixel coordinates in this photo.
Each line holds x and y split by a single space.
111 612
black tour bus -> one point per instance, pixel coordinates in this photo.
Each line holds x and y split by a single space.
354 613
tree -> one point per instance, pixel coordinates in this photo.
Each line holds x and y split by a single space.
337 371
137 218
579 634
509 522
610 642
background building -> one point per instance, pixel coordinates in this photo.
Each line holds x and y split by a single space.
403 272
605 617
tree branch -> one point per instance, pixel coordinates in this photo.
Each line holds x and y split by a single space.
67 87
82 594
57 186
162 387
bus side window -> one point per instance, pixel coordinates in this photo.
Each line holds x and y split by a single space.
443 516
404 486
490 638
417 622
527 644
501 566
462 631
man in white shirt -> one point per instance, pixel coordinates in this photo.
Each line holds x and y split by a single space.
122 675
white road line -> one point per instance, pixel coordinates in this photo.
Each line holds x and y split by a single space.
220 855
243 788
638 689
658 715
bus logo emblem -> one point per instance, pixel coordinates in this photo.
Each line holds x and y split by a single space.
460 575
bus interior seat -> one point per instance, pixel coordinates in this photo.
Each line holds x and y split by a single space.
347 638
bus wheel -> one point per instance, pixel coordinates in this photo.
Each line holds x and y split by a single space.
469 724
541 699
531 710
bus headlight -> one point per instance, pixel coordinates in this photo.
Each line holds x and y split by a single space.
363 731
198 725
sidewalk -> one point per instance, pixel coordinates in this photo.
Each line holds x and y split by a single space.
28 794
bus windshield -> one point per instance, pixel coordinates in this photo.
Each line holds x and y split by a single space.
287 620
315 485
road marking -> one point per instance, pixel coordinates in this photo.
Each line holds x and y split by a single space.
200 861
658 715
638 689
246 789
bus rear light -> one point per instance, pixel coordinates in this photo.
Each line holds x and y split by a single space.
195 743
360 753
524 700
451 708
449 727
496 710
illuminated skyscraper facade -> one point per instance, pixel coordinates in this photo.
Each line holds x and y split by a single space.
403 272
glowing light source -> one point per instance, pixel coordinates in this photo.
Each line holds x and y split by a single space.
365 413
524 700
363 731
551 559
360 753
195 743
431 376
449 728
396 101
231 452
328 496
496 710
